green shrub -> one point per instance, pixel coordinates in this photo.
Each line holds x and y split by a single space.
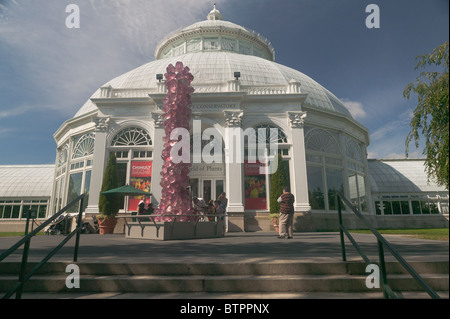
109 205
278 180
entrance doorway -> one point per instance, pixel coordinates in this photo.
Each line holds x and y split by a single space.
207 188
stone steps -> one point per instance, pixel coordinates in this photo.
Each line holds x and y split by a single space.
248 268
249 283
215 279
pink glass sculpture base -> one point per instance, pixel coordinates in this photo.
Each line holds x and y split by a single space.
175 198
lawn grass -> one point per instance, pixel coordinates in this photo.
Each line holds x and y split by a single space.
422 233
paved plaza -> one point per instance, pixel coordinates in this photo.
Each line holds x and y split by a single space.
233 248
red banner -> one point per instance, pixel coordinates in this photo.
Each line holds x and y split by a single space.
140 178
141 169
254 186
252 168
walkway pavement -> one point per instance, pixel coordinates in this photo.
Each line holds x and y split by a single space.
233 248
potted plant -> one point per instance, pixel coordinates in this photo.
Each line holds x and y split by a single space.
109 205
278 180
274 219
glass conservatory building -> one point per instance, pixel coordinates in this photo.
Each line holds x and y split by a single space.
23 188
239 88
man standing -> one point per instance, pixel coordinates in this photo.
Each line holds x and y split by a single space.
286 218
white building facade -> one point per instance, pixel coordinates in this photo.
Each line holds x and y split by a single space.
238 87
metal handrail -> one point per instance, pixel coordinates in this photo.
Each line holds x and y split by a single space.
381 243
23 278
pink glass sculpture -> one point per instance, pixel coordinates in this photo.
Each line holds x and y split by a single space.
175 197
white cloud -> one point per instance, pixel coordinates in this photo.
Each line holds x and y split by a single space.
16 111
388 140
50 70
65 66
399 126
5 131
356 109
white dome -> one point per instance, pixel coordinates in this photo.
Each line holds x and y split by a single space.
217 68
213 50
229 37
214 34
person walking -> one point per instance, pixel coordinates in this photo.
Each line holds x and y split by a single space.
224 202
141 206
286 218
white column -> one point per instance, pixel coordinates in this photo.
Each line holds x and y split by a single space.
234 167
299 178
98 163
158 146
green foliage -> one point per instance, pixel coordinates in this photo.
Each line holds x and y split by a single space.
278 180
431 115
422 233
109 205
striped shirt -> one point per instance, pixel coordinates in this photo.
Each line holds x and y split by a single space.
287 203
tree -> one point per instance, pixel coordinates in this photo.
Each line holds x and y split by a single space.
431 115
278 180
109 205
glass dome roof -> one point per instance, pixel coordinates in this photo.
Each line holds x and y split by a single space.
215 34
213 50
400 176
24 181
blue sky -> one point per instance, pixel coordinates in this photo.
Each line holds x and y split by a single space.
48 71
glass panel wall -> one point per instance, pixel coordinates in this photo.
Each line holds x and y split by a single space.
324 168
356 177
411 204
17 209
316 188
334 183
74 191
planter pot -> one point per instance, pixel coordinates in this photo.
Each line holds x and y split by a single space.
275 224
175 230
106 226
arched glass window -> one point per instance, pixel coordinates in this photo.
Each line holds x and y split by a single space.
321 141
353 150
63 155
277 136
80 169
262 143
132 136
58 186
133 148
84 146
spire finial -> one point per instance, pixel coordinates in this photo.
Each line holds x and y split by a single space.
214 14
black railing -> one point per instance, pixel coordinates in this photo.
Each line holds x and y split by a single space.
381 243
23 278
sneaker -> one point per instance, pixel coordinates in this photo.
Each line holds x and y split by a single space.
290 237
280 237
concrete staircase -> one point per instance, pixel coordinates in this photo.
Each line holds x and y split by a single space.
296 279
